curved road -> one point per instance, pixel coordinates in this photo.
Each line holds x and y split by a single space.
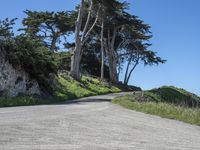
92 124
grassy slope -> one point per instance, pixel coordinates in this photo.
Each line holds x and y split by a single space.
66 89
167 102
177 96
71 89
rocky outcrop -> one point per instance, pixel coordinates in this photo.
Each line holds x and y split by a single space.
15 81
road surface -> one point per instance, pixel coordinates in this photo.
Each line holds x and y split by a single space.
92 124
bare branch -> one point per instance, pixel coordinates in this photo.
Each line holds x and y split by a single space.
88 20
137 62
90 30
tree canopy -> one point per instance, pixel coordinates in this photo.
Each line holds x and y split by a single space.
49 27
107 41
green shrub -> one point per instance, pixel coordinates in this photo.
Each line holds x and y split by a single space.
30 54
64 59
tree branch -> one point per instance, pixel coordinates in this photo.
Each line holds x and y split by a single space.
89 31
88 20
137 62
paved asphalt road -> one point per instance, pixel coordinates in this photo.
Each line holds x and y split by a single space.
92 124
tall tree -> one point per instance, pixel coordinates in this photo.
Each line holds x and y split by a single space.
108 10
82 37
109 25
111 10
123 28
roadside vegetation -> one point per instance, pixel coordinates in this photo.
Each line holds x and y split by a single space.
167 102
21 101
70 89
64 88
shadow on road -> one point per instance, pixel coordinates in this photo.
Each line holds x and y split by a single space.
87 101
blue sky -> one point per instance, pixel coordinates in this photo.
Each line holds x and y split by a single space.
176 29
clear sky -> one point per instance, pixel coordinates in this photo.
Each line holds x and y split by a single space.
175 27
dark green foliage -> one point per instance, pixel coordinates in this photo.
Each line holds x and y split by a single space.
49 27
64 59
128 87
27 53
91 61
31 55
6 28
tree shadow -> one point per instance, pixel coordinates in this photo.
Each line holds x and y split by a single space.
92 100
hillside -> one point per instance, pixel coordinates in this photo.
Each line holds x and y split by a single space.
173 95
63 88
167 101
68 88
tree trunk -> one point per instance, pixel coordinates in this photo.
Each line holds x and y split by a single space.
102 51
112 67
126 73
53 42
112 58
115 76
75 63
75 58
87 21
81 39
131 71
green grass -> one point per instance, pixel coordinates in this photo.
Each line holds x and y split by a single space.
165 102
70 89
21 101
65 88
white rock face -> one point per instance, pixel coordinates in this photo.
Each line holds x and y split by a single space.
15 81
